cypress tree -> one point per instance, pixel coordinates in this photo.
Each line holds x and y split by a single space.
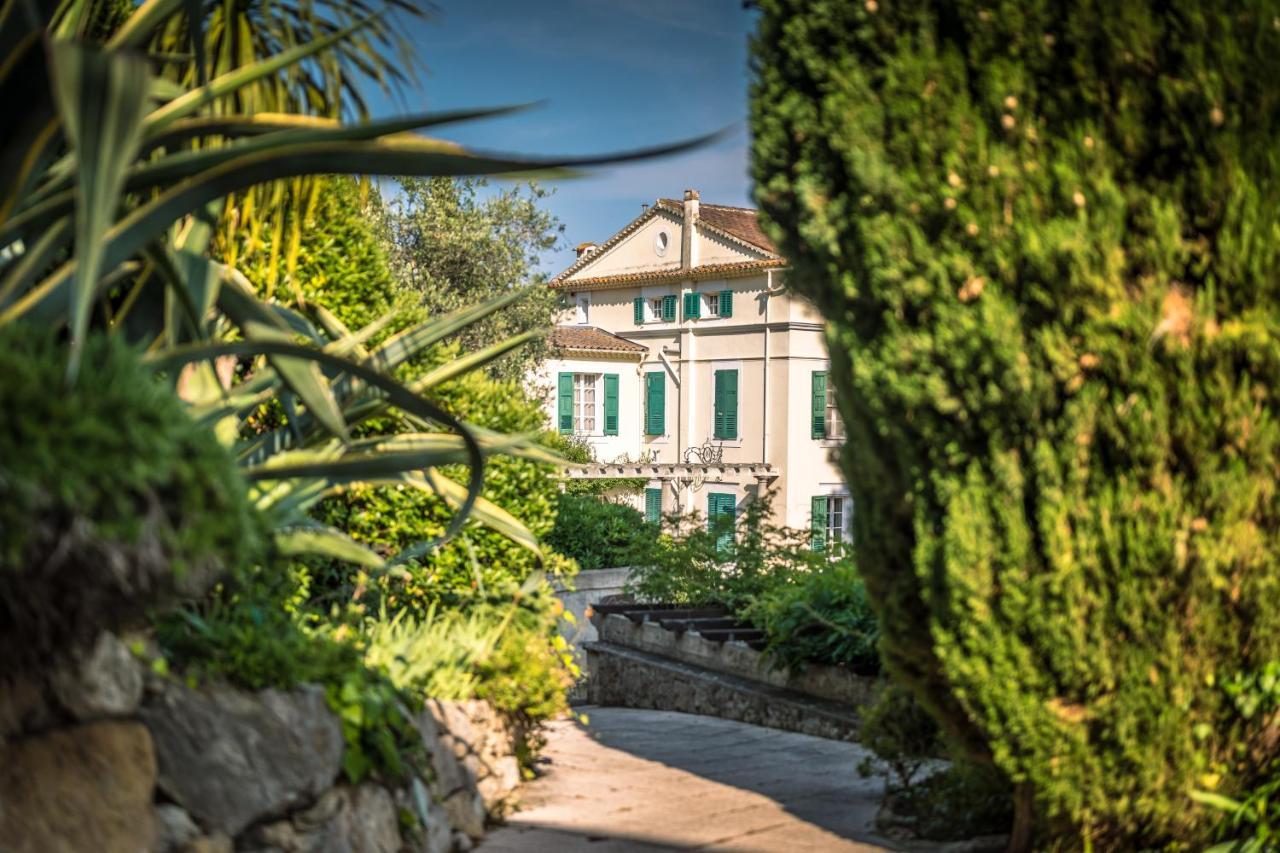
1045 237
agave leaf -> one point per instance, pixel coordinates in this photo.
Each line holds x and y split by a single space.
55 197
474 360
398 155
304 378
240 125
33 259
101 98
399 348
326 542
485 511
396 393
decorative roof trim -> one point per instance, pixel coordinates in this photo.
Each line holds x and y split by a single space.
731 270
602 354
599 251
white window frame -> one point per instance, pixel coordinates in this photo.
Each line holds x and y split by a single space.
653 309
711 305
838 534
582 384
832 425
582 309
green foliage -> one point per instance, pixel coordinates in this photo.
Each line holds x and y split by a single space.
111 498
599 534
481 560
901 734
822 616
731 561
966 800
338 261
576 449
457 242
255 631
1045 239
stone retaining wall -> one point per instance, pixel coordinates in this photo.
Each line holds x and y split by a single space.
103 756
734 658
643 665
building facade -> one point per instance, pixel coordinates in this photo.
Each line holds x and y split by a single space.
682 358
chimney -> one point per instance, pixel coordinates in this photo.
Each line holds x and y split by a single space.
644 207
688 243
585 248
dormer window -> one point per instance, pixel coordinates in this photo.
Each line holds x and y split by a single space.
582 309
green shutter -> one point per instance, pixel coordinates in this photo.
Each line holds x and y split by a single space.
637 309
818 524
669 308
655 401
720 505
653 506
726 303
611 404
566 402
691 306
819 410
725 423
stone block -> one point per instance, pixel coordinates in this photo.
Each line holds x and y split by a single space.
346 819
176 828
87 787
232 758
473 761
104 681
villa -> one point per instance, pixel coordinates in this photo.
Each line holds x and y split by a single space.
684 359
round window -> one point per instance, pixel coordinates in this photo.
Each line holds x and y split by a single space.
660 243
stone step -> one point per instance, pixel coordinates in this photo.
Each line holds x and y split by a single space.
682 625
728 635
630 678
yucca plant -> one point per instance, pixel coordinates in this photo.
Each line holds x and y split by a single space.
114 178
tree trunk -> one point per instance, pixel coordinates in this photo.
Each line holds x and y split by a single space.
1024 815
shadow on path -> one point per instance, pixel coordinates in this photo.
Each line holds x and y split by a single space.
638 780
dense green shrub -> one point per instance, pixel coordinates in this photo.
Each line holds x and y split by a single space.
111 498
821 616
1045 237
480 560
598 533
729 561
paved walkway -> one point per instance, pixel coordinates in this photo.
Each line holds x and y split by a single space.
636 781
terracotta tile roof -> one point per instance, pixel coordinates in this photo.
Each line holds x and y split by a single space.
591 339
740 222
731 270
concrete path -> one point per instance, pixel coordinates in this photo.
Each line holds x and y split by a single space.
634 780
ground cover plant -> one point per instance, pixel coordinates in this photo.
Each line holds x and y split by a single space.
1044 238
810 603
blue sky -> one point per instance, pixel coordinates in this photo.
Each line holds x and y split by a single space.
613 74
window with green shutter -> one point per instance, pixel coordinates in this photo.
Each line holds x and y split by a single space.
611 404
692 306
725 421
653 506
565 410
655 403
721 506
637 310
726 303
818 524
819 407
669 308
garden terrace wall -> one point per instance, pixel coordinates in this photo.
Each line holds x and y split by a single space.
639 663
101 755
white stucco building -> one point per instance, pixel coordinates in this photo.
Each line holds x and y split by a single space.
684 359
